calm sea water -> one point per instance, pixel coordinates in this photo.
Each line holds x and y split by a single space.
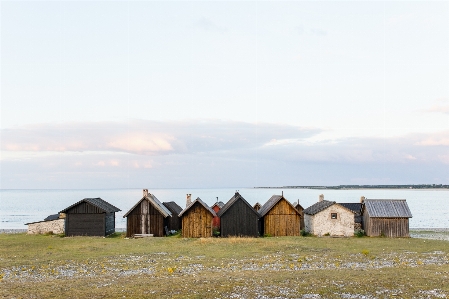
430 208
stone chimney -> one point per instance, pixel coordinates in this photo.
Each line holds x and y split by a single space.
188 199
321 197
145 192
362 199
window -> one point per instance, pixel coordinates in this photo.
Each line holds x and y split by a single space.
333 215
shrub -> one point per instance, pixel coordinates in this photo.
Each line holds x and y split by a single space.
267 235
304 233
359 233
327 234
216 231
365 252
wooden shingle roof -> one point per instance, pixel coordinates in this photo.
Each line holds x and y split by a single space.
156 203
387 208
173 207
318 207
97 202
201 203
353 206
271 203
236 197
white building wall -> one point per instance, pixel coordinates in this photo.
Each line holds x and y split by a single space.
55 226
322 223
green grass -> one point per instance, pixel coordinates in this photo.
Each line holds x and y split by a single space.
39 266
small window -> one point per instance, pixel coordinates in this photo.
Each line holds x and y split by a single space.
333 215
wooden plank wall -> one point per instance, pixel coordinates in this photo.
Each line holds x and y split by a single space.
110 223
145 219
197 222
84 208
388 227
240 220
282 220
85 224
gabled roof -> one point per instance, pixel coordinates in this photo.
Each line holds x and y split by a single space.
155 202
353 206
173 207
52 217
271 203
297 205
387 208
201 203
220 204
233 200
318 207
97 202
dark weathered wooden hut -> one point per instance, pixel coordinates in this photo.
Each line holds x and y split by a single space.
386 217
356 207
300 209
173 222
147 216
197 220
90 217
257 206
238 218
280 218
217 207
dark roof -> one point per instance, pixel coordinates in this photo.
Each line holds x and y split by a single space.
271 203
353 206
387 208
234 199
220 204
156 203
97 202
201 203
52 217
297 205
173 207
318 207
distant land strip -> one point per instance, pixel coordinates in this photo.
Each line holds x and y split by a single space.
346 187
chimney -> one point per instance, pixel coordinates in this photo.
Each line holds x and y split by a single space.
282 193
362 199
321 198
145 192
188 199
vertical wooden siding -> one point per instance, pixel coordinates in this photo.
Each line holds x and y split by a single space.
145 219
388 227
282 220
78 224
240 220
197 222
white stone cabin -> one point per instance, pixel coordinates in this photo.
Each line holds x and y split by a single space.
329 218
54 224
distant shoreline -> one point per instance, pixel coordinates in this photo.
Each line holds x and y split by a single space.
364 187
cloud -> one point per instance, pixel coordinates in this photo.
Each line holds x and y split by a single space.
147 137
438 109
208 25
318 32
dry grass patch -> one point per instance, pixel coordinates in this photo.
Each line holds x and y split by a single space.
288 267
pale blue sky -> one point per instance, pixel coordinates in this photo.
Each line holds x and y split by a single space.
172 94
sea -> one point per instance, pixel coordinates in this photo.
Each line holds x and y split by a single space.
429 207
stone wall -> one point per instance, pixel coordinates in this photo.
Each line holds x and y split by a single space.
55 226
321 223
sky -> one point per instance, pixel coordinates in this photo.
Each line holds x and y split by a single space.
209 94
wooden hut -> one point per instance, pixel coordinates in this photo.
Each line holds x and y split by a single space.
147 216
173 222
217 207
257 206
238 218
329 218
280 218
300 209
197 220
90 217
386 217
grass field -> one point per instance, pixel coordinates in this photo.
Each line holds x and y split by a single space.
38 266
